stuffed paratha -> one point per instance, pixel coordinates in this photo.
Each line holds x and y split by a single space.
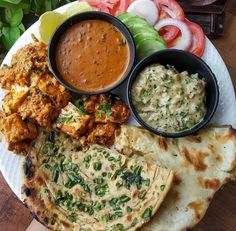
96 189
202 164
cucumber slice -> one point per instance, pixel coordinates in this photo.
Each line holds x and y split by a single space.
139 28
148 47
125 17
144 35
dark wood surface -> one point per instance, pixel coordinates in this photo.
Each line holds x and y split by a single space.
221 215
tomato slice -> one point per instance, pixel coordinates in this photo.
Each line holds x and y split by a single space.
170 9
198 38
174 7
113 7
169 33
120 7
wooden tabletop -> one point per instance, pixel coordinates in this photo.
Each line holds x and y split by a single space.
221 215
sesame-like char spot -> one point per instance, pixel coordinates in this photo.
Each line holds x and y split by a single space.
209 199
211 148
230 136
129 218
177 180
213 184
219 158
194 139
162 143
65 224
196 158
197 207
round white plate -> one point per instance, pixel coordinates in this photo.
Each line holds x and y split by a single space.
10 164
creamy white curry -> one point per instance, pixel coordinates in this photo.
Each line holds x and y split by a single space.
168 100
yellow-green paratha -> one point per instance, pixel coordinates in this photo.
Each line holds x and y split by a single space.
97 189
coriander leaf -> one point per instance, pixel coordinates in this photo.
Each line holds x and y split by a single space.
147 213
79 104
106 107
64 120
13 16
9 36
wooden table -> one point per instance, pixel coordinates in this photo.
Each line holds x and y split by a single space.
221 216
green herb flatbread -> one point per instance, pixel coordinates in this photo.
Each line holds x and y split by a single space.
96 189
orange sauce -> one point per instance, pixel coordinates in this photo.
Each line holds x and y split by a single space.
92 55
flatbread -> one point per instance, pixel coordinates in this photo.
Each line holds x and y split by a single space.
97 189
202 164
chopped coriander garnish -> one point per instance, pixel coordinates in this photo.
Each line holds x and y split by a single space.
55 175
162 187
134 222
63 120
147 213
80 105
129 210
106 107
124 199
97 166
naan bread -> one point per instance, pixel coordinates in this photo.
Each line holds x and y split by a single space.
202 164
94 190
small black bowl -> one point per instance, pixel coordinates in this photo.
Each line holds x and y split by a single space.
76 19
182 61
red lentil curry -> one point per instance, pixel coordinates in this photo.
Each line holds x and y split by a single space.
92 55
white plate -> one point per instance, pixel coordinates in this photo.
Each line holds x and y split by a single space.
10 164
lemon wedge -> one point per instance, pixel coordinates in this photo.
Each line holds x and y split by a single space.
48 22
79 7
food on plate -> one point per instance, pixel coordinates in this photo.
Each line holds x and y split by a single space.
167 100
167 16
73 121
93 118
103 134
113 7
147 39
144 9
177 31
33 96
27 64
198 38
96 189
18 132
92 55
46 30
184 42
202 163
169 20
79 7
109 108
170 9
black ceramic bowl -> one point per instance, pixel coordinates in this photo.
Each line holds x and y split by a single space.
76 19
182 61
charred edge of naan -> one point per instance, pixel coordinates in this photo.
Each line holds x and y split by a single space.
228 133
